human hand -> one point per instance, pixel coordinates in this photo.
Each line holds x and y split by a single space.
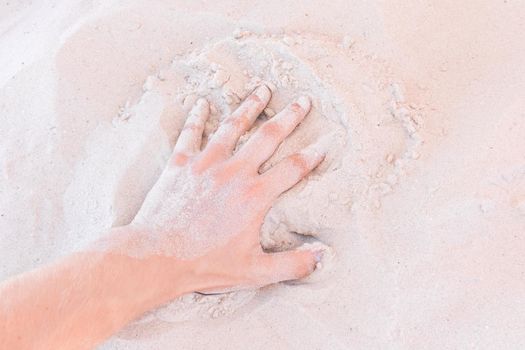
208 206
197 230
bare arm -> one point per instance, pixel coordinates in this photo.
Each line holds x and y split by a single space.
84 298
197 230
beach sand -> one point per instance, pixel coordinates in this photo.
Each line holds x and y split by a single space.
421 197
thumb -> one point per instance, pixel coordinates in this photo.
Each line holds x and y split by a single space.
289 265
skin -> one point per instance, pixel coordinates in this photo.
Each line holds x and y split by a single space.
197 230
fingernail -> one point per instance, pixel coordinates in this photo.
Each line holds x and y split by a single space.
304 102
263 92
318 254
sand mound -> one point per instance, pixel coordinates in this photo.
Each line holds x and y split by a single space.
370 132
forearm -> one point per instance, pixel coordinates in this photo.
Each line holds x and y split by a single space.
79 301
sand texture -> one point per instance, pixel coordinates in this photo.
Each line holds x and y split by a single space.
421 198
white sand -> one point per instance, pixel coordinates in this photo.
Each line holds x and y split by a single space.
422 197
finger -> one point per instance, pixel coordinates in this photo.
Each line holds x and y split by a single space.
269 136
232 128
190 138
292 169
288 265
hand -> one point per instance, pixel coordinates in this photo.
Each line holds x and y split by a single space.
198 230
208 206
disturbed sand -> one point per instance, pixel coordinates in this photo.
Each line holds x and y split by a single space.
421 198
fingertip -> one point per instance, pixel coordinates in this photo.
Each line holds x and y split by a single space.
318 255
288 265
304 262
202 104
304 102
270 86
200 108
263 92
315 153
307 260
311 158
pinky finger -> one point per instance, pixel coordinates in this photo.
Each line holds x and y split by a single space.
190 137
289 171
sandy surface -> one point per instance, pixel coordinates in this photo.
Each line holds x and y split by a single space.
422 196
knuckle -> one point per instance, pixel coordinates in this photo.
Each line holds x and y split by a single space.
239 122
255 190
227 171
271 130
191 127
299 162
212 155
180 159
296 108
253 98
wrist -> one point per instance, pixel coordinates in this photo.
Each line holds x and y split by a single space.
159 278
146 281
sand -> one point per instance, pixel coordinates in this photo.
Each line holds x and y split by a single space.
421 197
